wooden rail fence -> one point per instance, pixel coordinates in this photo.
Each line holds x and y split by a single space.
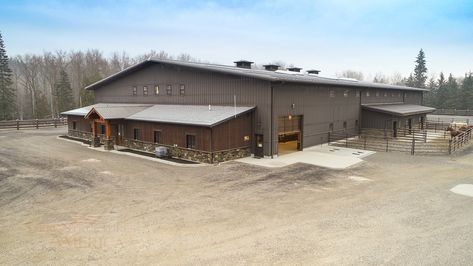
33 123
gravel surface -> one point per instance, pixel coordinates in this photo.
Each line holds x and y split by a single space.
63 203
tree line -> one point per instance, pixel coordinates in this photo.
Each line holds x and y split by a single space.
44 85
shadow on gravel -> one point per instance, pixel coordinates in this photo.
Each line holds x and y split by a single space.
240 176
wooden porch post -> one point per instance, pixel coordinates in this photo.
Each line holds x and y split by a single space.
107 130
108 139
94 129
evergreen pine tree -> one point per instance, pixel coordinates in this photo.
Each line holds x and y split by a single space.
466 92
410 81
7 92
442 92
420 70
63 91
452 100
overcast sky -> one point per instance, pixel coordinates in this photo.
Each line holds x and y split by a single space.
369 36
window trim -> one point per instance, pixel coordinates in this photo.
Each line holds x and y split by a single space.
160 136
346 93
168 89
134 90
135 130
331 94
195 141
145 90
156 92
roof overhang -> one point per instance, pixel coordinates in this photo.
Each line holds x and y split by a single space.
252 73
398 109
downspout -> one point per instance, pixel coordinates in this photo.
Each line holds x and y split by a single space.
271 125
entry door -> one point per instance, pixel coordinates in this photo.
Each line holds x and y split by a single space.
120 134
259 150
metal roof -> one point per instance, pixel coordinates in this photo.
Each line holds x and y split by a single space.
200 115
119 111
399 109
102 106
255 73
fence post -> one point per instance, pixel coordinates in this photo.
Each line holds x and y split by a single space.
55 122
17 124
346 140
450 146
425 136
328 138
413 145
387 144
364 144
37 123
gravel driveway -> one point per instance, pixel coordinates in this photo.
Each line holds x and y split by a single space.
63 203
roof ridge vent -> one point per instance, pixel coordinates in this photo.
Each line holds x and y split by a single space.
243 64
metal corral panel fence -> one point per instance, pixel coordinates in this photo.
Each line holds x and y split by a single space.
33 123
433 139
466 112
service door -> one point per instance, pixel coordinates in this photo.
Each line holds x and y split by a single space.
259 150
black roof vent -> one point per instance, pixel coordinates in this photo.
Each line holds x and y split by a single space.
271 67
313 71
243 64
294 69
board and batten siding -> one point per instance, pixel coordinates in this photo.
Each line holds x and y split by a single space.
318 109
201 88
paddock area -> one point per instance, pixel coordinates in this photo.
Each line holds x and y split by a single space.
432 138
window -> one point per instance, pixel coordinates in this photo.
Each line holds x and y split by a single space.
182 89
190 141
345 93
102 129
145 90
169 89
156 89
330 127
74 125
367 94
377 94
137 134
157 136
332 94
345 125
134 91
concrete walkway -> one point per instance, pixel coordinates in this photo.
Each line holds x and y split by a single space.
324 156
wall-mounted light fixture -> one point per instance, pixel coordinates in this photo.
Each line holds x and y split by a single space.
289 117
293 106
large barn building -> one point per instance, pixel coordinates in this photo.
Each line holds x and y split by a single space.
211 113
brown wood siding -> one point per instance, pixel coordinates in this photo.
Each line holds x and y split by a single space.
201 88
171 134
231 134
82 124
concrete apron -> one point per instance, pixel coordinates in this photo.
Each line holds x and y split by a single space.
323 156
